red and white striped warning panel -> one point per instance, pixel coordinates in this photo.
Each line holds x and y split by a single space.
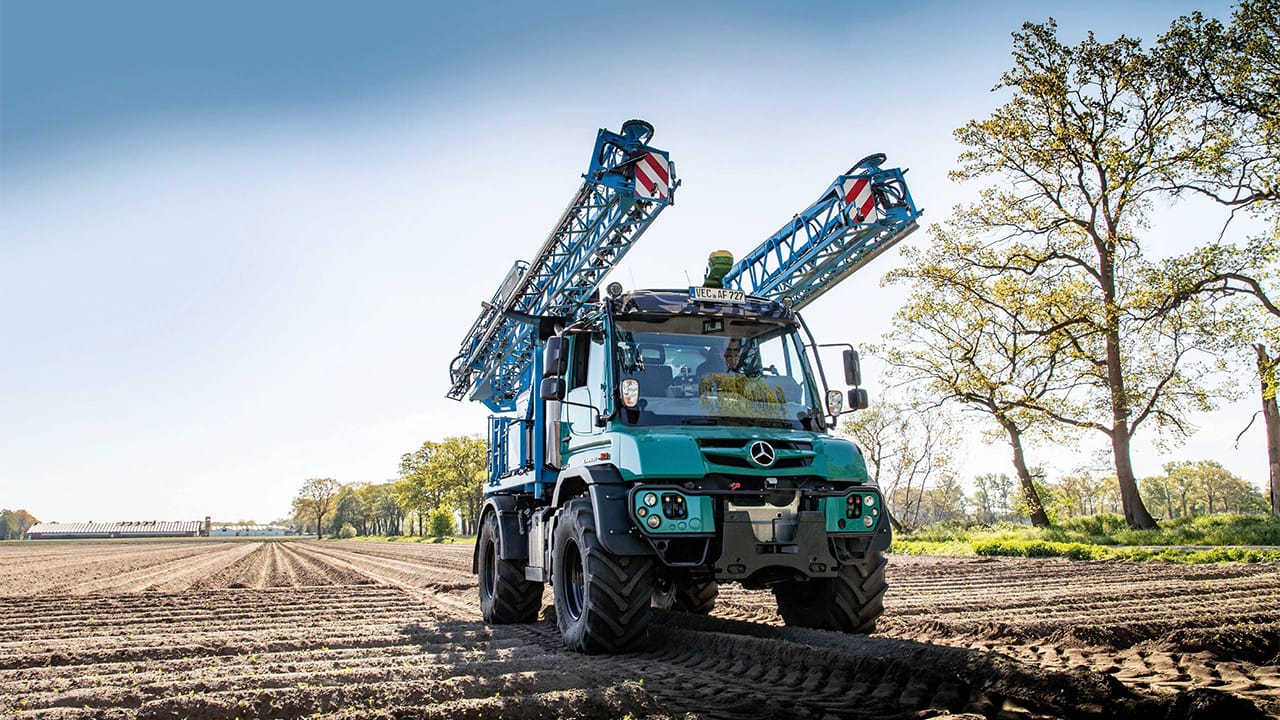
857 194
653 177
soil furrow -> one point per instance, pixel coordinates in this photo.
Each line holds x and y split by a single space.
298 628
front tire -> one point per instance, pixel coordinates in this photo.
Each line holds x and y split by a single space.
505 596
851 602
602 599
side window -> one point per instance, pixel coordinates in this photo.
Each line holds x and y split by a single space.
578 362
585 378
595 365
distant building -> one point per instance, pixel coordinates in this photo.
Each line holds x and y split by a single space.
130 529
249 531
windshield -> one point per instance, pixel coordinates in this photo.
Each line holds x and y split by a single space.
714 371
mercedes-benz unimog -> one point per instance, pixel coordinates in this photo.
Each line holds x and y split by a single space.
650 445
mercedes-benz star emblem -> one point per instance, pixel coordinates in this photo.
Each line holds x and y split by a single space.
762 453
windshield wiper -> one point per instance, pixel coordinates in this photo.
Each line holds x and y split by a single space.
738 422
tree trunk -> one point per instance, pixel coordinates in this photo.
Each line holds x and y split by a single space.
1135 512
1039 517
1271 416
893 521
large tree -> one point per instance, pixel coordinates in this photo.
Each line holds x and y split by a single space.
460 465
315 500
419 491
1094 137
1234 72
981 338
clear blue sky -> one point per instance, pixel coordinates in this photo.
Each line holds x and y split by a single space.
239 242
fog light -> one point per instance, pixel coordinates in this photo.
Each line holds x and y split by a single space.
630 392
654 521
868 521
650 499
642 512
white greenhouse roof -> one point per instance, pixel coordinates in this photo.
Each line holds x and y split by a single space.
135 527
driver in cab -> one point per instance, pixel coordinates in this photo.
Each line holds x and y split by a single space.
732 372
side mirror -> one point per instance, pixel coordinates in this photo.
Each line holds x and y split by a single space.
835 402
858 399
555 358
852 368
552 388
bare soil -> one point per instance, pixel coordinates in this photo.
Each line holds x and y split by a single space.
287 629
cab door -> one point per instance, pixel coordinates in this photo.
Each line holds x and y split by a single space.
586 396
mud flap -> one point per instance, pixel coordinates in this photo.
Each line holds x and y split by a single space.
513 543
883 537
613 524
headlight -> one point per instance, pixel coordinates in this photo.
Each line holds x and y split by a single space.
650 499
630 392
869 501
654 521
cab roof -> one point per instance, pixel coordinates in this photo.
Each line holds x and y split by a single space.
678 302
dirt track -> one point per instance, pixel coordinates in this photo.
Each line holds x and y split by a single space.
208 629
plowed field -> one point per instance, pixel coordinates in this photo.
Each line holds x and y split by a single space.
287 629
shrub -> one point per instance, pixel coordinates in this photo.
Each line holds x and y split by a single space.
347 531
1098 528
440 522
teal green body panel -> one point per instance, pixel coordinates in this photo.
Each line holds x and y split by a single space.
862 516
667 454
696 513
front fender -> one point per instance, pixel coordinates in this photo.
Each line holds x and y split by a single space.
604 485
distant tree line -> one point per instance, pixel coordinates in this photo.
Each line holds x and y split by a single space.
14 524
437 479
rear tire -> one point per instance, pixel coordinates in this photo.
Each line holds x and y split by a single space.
683 594
851 602
505 596
602 599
